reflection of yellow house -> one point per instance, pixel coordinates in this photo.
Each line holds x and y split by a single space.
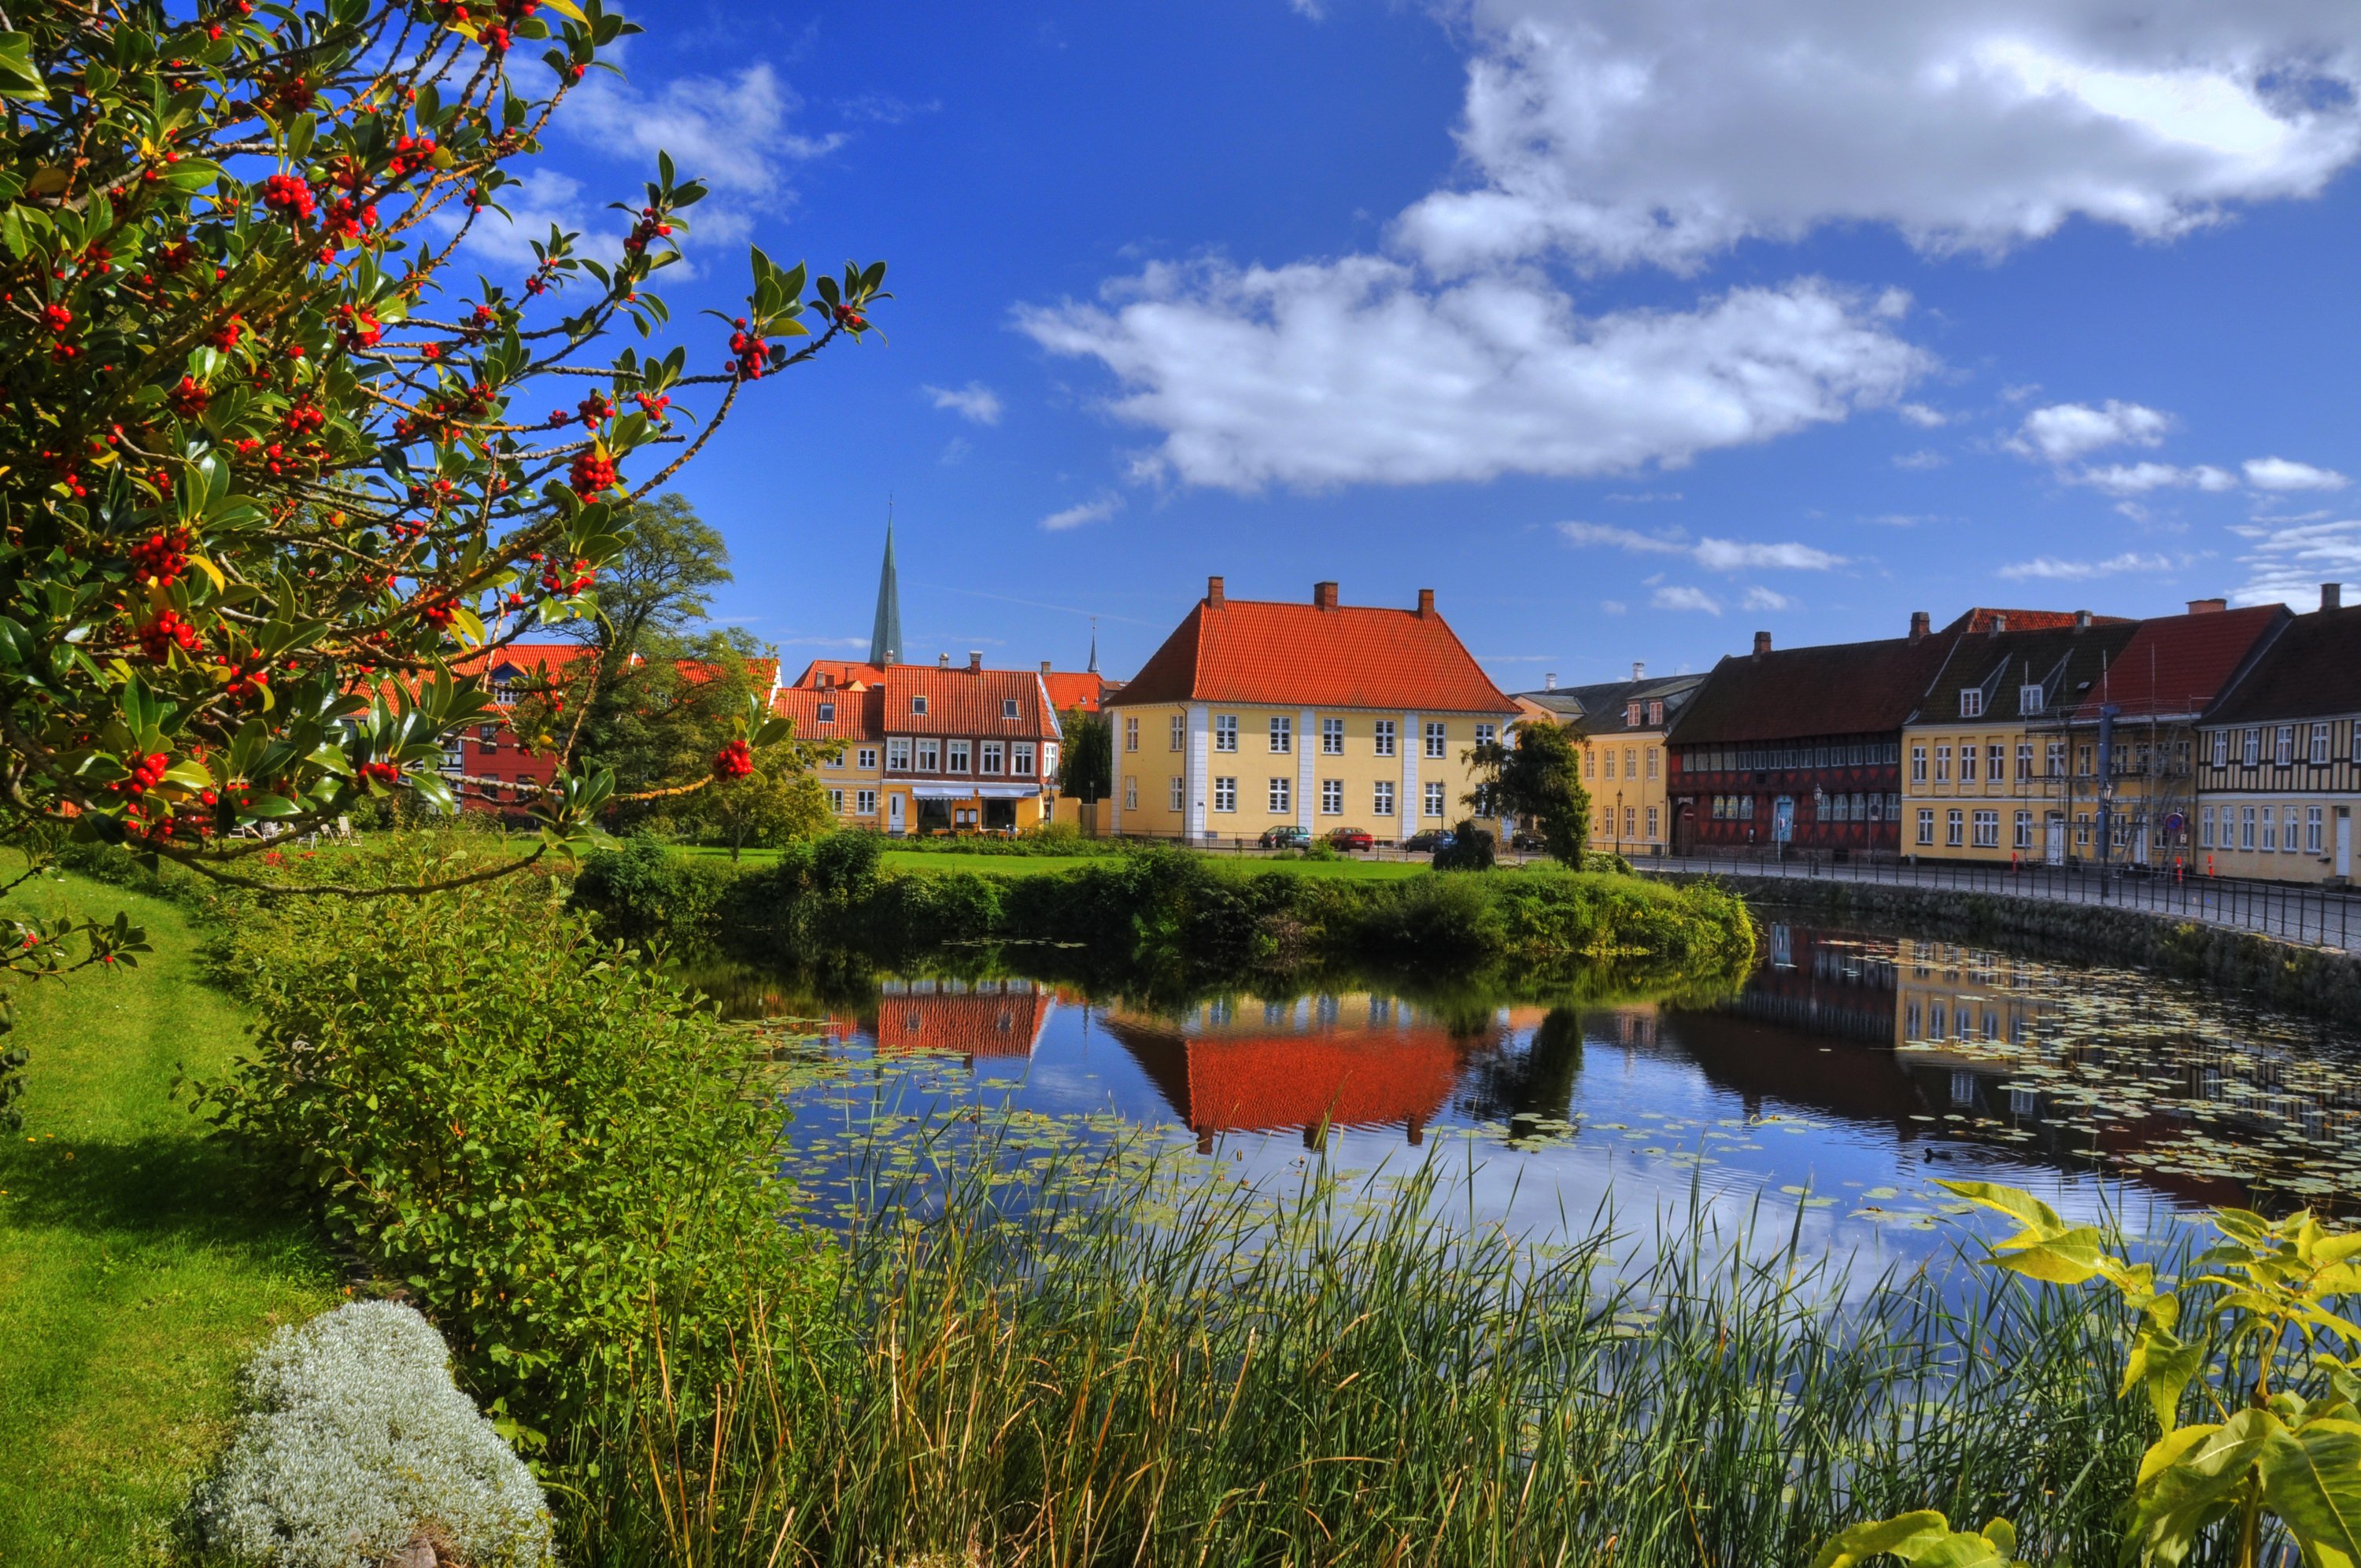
1255 715
1624 768
1945 994
1987 761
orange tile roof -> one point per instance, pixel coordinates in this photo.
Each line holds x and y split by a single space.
763 672
964 701
1258 651
1070 689
978 1023
840 673
822 715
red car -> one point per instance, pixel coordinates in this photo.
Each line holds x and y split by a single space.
1351 839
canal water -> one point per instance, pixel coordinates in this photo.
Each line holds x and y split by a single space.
1829 1092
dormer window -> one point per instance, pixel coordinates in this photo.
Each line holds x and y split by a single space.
1008 707
828 713
918 705
1972 703
1632 714
2029 699
1655 713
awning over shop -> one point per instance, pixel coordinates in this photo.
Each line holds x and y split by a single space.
975 792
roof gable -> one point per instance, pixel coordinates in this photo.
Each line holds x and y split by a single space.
1318 656
2311 670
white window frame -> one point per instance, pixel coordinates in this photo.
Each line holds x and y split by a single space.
1009 708
2024 830
1332 797
1967 761
1382 737
864 803
1972 703
866 758
898 754
2205 828
1282 735
2246 829
1131 732
2250 750
1996 762
836 801
1943 763
1438 738
2319 756
2054 759
918 704
1176 793
1225 733
1332 737
1986 827
1655 822
1437 800
1020 759
1226 795
1917 764
1381 798
2287 832
1130 793
1177 733
1282 794
1955 829
955 755
992 758
2313 826
2283 747
2221 748
1486 733
930 755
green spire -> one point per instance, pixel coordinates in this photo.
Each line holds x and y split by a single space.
886 634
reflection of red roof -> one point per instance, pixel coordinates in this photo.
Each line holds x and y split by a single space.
1333 656
823 714
981 1021
1264 1082
2179 664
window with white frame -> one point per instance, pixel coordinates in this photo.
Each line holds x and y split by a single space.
1967 761
1332 797
930 754
1282 794
2024 831
1332 737
1175 795
1996 763
1050 757
897 755
835 761
1486 733
1226 795
1020 759
958 756
2311 829
918 704
1589 763
1630 761
1653 820
2247 828
2205 828
2054 760
1434 738
1177 733
1987 829
1381 799
1382 737
1225 733
2270 832
2287 831
1008 707
828 713
1131 732
866 758
1943 763
1608 753
1434 800
2028 700
836 801
2023 761
2221 748
1917 764
1955 828
1972 703
2320 744
1656 716
1130 793
864 803
2283 745
2250 748
992 755
1282 734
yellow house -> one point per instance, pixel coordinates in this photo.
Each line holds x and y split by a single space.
1256 715
2280 756
1988 763
1624 767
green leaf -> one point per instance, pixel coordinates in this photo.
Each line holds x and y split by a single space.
2311 1479
1900 1536
19 77
2193 1477
2017 1205
2067 1259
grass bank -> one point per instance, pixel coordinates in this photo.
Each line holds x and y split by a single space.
137 1269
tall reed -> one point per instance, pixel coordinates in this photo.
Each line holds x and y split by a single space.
1111 1366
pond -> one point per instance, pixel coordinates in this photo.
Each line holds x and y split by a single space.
1846 1075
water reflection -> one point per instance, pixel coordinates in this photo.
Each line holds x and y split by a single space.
1845 1074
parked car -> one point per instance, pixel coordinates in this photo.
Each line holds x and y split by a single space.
1428 839
1292 835
1525 838
1351 839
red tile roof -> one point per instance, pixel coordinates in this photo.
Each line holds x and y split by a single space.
1980 619
979 1023
963 701
833 715
2179 663
1257 651
1070 689
840 673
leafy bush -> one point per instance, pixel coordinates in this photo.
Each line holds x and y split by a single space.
1056 838
354 1442
547 1144
645 894
1470 849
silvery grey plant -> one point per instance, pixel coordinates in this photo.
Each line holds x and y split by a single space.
355 1444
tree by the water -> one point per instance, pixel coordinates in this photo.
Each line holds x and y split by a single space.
1535 773
1086 766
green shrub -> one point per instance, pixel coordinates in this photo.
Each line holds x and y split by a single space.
645 893
1470 849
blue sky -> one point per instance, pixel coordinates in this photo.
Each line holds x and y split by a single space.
1628 326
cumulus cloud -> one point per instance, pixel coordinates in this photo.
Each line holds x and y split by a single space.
1766 598
2050 569
975 401
1677 598
2280 473
2287 562
731 134
1714 555
1922 416
1098 511
2137 478
1323 374
1632 131
2063 431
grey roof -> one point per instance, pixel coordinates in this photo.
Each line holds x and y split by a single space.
1600 709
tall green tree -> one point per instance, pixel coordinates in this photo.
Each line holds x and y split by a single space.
1535 773
1086 765
661 584
781 801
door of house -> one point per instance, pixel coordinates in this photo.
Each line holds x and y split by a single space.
1783 819
2053 839
2345 842
893 813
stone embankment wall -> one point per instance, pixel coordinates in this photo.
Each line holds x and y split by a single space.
2279 974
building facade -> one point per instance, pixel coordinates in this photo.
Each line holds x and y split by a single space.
1625 768
1988 758
2278 770
1255 715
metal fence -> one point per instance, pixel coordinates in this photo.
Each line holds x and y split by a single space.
2327 918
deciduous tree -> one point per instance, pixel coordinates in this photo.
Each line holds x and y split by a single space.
1536 772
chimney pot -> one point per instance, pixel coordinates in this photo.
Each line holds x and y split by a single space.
1762 643
1638 670
1044 666
942 661
2331 595
2082 620
1425 602
1549 682
1325 594
975 660
2208 606
1920 624
1214 593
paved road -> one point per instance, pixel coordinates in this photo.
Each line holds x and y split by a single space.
2311 915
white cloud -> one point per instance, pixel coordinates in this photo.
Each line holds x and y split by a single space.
2280 473
1922 416
1765 598
1323 374
2137 478
1714 555
955 451
1920 462
2286 564
2047 568
542 199
1099 510
1630 131
1677 598
975 401
731 135
1613 607
2063 431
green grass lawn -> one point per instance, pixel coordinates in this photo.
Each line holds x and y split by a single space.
135 1272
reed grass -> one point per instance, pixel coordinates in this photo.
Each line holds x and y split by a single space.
1117 1363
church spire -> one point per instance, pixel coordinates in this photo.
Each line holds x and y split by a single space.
885 633
1094 645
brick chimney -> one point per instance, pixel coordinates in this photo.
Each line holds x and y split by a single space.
1921 623
1426 603
1214 600
975 661
1999 622
1762 643
1044 666
2331 595
2082 620
1323 595
2208 606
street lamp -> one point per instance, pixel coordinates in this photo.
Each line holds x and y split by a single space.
1619 823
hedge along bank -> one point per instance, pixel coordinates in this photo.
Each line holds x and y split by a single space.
1162 906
